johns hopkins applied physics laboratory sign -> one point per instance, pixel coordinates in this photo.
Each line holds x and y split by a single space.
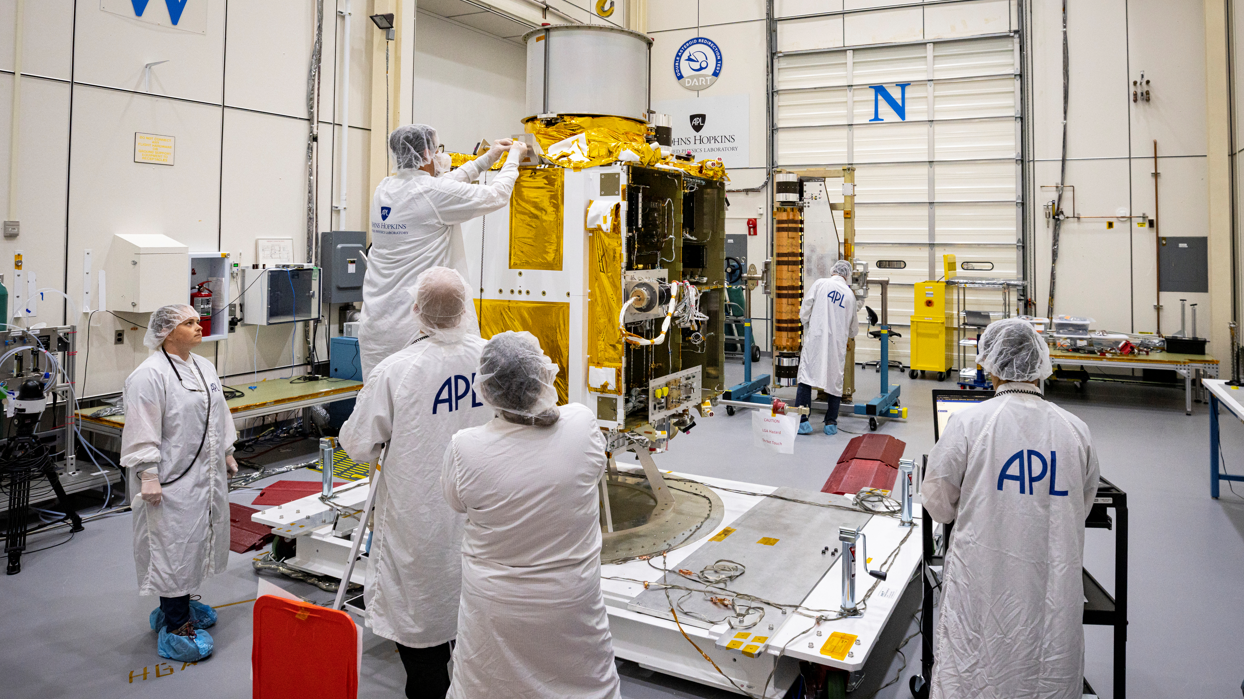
710 127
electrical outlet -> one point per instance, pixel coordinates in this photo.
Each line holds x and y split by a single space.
119 339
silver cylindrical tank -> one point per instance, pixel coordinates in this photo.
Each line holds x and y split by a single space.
583 69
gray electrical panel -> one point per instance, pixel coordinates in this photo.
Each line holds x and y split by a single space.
343 265
1184 264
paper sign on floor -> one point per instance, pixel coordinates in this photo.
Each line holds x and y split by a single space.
774 432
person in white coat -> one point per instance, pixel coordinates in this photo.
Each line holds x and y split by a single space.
532 622
414 401
178 444
828 314
415 225
1017 475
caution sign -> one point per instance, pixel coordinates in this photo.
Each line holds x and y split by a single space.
154 149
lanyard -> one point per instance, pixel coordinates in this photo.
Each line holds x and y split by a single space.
207 421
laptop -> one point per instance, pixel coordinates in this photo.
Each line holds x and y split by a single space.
947 403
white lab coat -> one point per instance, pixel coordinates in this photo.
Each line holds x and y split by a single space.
532 624
828 314
1013 600
415 225
182 541
415 401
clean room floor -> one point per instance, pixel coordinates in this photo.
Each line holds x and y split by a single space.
73 624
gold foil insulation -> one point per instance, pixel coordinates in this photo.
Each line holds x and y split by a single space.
604 340
787 278
536 219
549 321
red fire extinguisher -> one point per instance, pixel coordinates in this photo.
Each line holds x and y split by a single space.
751 226
201 298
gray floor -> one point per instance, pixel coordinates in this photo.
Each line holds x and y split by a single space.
73 625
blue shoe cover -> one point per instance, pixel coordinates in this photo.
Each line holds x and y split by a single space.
201 614
184 649
831 429
805 427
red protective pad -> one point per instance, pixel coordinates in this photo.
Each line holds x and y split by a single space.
282 492
244 534
877 447
303 650
850 476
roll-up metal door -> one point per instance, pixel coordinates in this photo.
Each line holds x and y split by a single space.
925 101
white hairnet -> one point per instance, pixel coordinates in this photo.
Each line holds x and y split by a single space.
413 146
842 268
164 320
515 376
1012 350
441 298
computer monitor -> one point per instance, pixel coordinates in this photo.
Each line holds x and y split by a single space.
947 403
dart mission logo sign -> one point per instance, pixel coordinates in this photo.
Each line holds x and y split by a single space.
697 63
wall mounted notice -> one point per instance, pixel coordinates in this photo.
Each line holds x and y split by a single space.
711 127
183 15
151 148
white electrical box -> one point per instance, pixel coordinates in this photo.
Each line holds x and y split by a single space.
146 271
211 270
284 294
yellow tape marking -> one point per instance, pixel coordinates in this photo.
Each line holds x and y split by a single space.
751 651
838 645
742 634
721 535
735 645
768 541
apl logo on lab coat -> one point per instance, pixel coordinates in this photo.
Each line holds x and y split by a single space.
384 212
697 63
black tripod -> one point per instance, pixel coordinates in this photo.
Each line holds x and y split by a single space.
23 459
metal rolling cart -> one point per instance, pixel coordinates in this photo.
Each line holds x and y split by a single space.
967 322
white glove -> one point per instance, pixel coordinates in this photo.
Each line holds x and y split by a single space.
518 149
152 492
499 147
231 464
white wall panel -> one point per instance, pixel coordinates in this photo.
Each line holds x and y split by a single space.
960 99
892 183
110 193
41 184
891 142
663 16
964 19
361 31
735 11
812 108
872 4
467 85
976 181
48 37
809 34
812 70
794 8
870 104
664 85
821 146
965 59
976 223
738 75
1175 67
892 223
884 26
266 70
891 64
987 138
1099 86
112 50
